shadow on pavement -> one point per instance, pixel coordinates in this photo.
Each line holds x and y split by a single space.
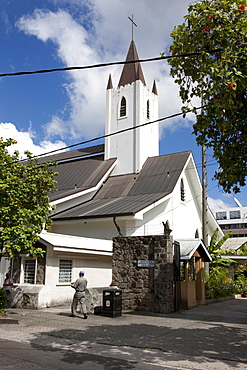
217 341
205 334
230 311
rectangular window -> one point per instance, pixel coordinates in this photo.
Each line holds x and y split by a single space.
220 215
29 271
235 214
65 271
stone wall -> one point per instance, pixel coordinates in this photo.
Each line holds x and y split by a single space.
144 288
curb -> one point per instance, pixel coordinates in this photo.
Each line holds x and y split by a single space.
6 320
214 300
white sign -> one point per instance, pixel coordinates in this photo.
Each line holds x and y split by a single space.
145 263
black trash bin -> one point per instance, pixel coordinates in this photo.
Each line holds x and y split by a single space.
112 303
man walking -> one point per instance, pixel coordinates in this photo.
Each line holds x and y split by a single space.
79 296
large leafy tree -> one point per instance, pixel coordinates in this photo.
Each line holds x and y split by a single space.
216 31
24 201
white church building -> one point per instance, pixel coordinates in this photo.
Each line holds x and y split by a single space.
121 188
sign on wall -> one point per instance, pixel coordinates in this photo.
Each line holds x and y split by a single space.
145 263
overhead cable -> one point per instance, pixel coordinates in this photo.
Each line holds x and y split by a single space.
116 133
40 71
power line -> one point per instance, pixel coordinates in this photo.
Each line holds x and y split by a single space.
100 65
114 133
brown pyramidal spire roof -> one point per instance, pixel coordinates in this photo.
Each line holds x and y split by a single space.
154 91
109 85
132 71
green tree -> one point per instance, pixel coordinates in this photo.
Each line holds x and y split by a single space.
216 253
243 250
24 201
216 31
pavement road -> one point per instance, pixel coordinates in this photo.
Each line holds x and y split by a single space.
206 337
17 356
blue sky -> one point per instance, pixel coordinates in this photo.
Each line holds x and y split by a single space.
48 111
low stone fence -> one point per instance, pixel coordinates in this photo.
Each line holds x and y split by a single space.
25 297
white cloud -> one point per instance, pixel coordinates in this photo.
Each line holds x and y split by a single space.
25 140
106 41
84 88
217 204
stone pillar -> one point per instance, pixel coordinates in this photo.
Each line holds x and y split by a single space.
148 288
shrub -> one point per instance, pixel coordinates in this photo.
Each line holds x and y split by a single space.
241 284
218 284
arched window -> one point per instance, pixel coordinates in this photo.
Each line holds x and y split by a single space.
123 107
197 234
148 112
182 191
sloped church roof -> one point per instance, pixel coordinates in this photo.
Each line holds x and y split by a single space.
119 195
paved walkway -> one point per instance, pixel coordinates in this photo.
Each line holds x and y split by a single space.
206 337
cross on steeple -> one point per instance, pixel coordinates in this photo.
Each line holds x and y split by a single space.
133 24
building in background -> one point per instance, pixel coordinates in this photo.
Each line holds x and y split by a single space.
233 220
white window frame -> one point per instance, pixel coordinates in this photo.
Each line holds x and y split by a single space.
23 263
71 270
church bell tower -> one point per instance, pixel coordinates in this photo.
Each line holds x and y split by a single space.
129 106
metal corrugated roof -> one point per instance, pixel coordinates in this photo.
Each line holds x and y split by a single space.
73 154
110 207
189 246
117 186
234 243
129 194
160 174
79 175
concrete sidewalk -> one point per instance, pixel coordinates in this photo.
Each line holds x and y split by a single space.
206 337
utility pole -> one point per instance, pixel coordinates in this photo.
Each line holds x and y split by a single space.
204 203
204 197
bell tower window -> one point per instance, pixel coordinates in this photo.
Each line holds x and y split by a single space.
123 107
148 112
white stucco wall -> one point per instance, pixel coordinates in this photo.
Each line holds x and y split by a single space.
131 148
98 271
4 267
186 219
100 228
